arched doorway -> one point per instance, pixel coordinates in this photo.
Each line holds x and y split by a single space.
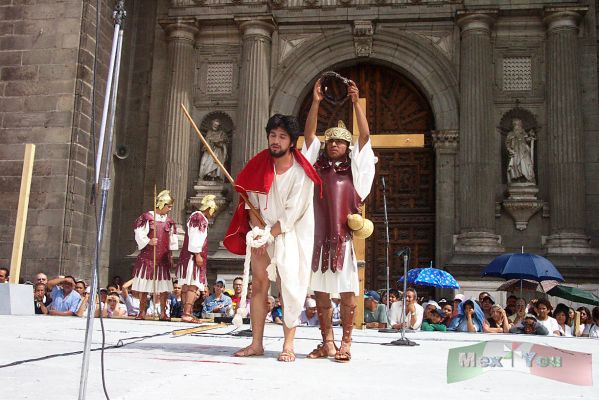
395 105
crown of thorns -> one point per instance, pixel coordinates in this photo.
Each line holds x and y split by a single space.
327 88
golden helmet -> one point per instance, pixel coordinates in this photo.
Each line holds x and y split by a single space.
361 227
209 203
163 199
338 132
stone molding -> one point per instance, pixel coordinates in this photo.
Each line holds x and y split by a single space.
447 139
411 53
476 21
363 32
180 29
262 27
557 18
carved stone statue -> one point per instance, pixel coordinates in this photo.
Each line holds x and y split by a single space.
218 140
520 147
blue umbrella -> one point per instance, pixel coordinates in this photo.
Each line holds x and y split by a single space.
431 277
523 266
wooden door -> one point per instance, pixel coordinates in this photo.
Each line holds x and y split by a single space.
394 105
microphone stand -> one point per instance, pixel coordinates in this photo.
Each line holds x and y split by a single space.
389 329
110 98
404 341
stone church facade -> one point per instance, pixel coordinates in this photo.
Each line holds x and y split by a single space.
494 88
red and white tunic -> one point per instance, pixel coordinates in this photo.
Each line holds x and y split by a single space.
196 241
334 266
143 271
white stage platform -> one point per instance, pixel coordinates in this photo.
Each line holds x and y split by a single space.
201 366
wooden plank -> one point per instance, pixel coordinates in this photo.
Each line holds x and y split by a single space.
21 224
202 328
387 141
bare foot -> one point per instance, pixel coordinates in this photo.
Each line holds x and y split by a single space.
286 356
249 352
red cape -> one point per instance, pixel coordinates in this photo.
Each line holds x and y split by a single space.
257 176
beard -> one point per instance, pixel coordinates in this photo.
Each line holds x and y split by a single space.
278 153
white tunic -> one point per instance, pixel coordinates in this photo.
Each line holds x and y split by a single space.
141 284
195 243
289 202
363 170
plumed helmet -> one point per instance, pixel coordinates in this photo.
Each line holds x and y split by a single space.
338 132
163 199
208 203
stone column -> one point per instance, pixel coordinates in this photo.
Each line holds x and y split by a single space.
478 144
175 146
254 93
445 143
565 133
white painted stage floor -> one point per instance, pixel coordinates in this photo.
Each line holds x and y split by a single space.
200 366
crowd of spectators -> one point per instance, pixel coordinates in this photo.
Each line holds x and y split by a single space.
481 315
67 296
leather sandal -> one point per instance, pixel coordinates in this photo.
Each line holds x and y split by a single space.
321 352
248 352
343 355
286 356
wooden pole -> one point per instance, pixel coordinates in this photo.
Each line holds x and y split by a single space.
154 249
221 166
21 224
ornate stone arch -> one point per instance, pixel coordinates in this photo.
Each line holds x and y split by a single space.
412 55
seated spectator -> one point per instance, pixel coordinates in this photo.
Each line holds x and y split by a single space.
218 303
585 321
277 312
469 318
270 301
174 301
561 315
65 300
40 277
114 308
448 311
375 314
309 316
117 281
414 312
543 317
529 326
510 305
80 287
531 308
4 275
594 328
336 306
434 321
486 304
131 302
456 301
237 289
429 307
498 323
481 297
40 301
520 313
103 295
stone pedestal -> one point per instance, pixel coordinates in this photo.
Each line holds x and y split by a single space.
522 203
16 299
478 145
203 188
565 133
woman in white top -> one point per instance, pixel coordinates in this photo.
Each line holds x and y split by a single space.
561 315
543 309
594 328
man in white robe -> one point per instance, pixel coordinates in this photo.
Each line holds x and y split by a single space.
279 182
347 179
